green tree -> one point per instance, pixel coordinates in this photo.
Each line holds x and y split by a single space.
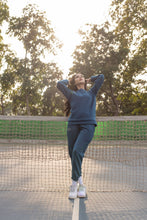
101 52
5 57
4 15
52 102
38 38
7 79
118 50
130 19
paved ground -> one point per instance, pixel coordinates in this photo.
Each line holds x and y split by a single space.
56 206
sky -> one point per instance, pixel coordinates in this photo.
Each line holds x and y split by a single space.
67 17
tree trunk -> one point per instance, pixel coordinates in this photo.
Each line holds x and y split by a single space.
2 106
116 112
27 105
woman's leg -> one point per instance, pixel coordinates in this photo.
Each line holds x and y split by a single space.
72 134
83 139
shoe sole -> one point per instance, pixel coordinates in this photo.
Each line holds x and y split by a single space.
84 196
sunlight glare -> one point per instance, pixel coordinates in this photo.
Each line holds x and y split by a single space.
67 17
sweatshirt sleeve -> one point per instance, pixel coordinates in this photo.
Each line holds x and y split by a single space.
62 86
98 81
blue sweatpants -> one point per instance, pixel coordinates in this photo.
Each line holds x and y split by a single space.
79 137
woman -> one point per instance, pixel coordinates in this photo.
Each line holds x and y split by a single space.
81 124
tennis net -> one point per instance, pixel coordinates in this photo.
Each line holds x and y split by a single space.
34 154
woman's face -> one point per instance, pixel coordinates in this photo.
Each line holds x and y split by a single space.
79 79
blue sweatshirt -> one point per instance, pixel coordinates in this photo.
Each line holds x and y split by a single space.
82 102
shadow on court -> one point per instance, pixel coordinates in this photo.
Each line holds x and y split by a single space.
34 206
114 206
56 206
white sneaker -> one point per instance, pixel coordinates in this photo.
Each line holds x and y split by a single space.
73 192
82 191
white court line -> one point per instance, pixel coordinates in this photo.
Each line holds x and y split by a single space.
75 214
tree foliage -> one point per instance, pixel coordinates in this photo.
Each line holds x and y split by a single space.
130 17
4 14
116 48
6 80
119 52
38 37
101 52
4 11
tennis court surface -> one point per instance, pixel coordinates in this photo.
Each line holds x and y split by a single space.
35 169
